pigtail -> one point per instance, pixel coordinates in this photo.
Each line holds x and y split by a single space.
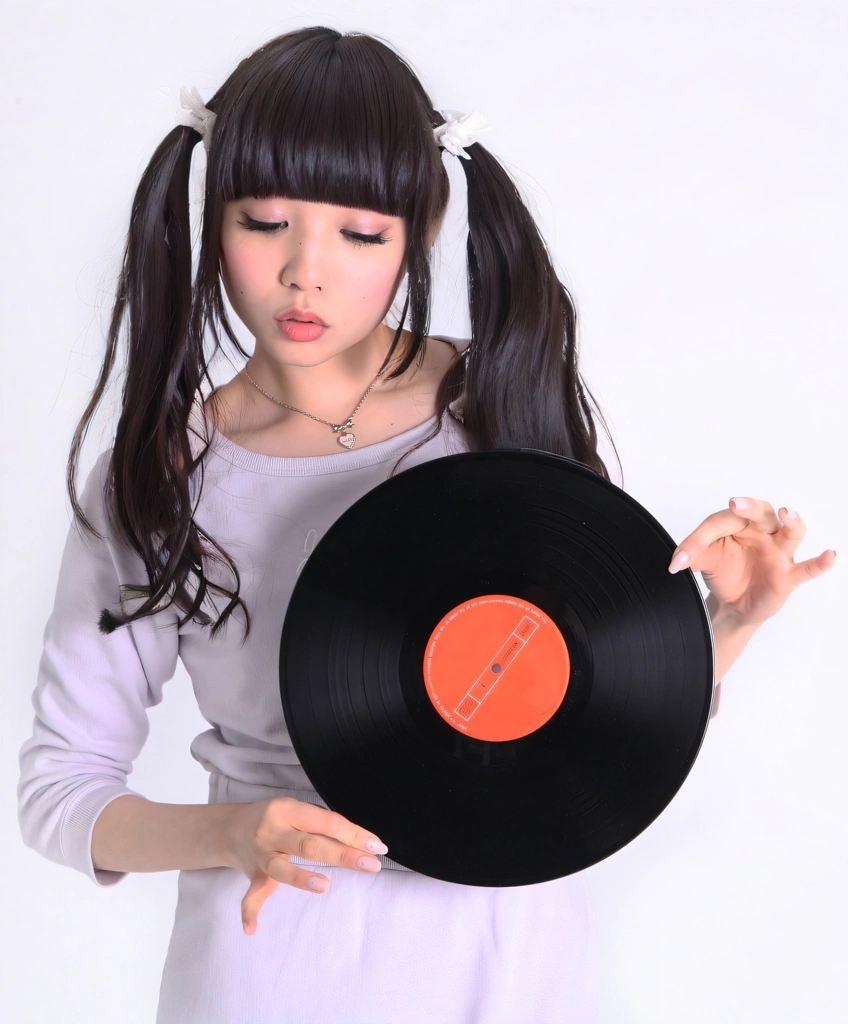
147 490
521 385
330 118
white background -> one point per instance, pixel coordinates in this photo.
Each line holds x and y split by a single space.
687 166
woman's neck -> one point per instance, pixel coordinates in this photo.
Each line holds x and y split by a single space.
250 419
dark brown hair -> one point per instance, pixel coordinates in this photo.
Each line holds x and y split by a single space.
328 117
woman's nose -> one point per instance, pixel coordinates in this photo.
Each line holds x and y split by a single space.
302 262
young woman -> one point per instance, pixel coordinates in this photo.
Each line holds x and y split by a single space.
325 189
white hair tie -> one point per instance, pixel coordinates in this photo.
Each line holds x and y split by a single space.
196 115
458 130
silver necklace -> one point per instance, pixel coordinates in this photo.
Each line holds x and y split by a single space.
347 439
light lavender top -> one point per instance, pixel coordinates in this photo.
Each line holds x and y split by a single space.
93 690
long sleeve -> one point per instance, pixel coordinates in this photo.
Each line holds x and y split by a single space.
92 694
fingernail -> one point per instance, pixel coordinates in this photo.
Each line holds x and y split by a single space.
791 514
318 884
375 846
369 863
739 502
248 928
679 560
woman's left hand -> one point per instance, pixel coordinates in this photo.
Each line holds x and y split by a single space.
745 555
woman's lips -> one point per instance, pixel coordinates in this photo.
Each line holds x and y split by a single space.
296 330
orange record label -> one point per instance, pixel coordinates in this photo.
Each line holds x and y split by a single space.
496 667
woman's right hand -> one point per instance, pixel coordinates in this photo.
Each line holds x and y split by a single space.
264 834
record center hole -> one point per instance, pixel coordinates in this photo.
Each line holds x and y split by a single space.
496 667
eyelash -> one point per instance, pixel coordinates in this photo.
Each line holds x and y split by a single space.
270 227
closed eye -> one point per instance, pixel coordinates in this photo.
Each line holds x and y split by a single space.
270 226
260 225
358 239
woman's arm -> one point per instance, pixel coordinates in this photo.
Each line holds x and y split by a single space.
730 638
745 554
729 634
135 834
92 694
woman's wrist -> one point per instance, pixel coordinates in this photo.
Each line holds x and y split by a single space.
135 834
730 635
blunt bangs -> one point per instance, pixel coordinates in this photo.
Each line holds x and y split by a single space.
331 119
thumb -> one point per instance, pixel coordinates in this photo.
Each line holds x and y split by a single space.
260 889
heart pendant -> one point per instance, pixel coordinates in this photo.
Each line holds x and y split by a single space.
348 440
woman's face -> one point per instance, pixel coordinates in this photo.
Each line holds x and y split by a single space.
343 265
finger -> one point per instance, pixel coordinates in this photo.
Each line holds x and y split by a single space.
741 513
713 528
314 846
813 567
792 532
280 871
312 818
259 890
758 513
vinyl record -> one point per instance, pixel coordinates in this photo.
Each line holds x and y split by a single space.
486 662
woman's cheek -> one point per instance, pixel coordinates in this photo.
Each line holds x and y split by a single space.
379 287
243 268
